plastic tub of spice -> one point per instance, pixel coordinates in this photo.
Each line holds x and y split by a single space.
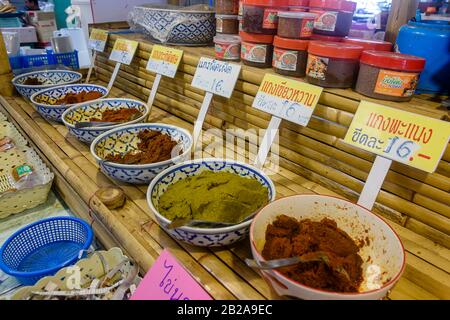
256 49
228 7
227 24
376 45
228 47
320 37
332 64
295 25
261 16
334 17
290 56
388 75
299 5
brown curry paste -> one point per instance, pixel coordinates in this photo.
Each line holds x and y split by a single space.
286 237
118 115
83 96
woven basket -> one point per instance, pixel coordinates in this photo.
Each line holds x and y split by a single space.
15 202
2 117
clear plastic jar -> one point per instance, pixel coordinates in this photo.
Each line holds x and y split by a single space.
229 7
332 64
227 47
334 17
295 25
290 56
261 16
256 49
388 75
376 45
320 37
227 24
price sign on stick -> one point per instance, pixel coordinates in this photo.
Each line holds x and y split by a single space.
284 99
122 52
214 77
163 61
395 135
97 42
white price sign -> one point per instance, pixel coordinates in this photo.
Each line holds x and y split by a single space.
123 51
164 61
97 40
217 77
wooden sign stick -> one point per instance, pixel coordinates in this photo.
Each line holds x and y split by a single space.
267 141
114 76
94 57
151 97
201 117
374 182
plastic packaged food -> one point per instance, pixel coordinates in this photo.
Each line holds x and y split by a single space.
227 24
299 5
332 64
261 16
256 49
295 25
6 143
290 56
388 75
334 17
320 37
227 7
228 47
376 45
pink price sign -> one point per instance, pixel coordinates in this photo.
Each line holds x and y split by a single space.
168 280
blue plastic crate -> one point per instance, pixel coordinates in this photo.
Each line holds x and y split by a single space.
66 59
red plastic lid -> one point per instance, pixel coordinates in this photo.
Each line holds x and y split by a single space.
299 3
266 3
341 5
393 60
256 38
292 44
326 38
370 44
335 49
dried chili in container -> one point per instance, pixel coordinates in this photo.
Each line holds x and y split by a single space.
295 25
229 7
290 56
256 49
261 16
332 64
376 45
299 5
334 16
227 24
388 75
227 47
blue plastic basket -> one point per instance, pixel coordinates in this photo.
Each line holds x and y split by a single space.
44 247
67 59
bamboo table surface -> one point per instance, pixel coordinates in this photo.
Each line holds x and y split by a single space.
221 271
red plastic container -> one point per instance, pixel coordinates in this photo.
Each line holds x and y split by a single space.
299 5
370 44
261 16
256 49
334 16
290 56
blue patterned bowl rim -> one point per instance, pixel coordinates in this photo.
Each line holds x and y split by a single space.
174 168
141 126
176 9
57 106
44 86
105 128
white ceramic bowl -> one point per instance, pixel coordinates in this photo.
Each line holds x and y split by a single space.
85 111
384 257
124 139
44 100
203 236
50 78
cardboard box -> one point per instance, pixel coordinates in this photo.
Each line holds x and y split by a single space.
45 24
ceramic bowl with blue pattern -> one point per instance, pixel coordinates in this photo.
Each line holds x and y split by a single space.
194 25
45 100
49 78
93 109
205 237
125 139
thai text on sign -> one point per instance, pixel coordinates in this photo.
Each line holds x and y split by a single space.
402 136
123 51
217 77
287 99
164 60
97 40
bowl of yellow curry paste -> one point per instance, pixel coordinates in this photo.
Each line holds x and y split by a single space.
215 190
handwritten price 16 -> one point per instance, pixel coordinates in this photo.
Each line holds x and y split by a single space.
400 149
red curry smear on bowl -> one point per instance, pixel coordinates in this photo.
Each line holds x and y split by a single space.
287 237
